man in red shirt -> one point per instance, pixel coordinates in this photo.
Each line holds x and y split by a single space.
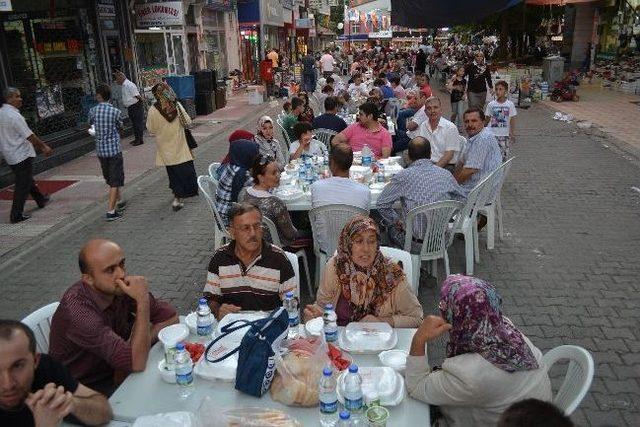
367 131
422 80
107 321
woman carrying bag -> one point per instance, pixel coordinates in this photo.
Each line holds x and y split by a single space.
168 121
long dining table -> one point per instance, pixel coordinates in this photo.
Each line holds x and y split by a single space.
145 393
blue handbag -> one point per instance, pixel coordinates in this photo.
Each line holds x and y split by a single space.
256 361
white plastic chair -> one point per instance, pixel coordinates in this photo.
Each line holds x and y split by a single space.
275 239
286 141
404 257
467 222
326 224
213 170
325 136
493 209
293 259
40 323
208 187
435 218
577 380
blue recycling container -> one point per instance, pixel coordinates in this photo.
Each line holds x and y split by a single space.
183 86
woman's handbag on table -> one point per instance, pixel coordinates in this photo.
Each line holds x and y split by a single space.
256 352
191 141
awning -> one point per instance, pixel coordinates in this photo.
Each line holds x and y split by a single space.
444 13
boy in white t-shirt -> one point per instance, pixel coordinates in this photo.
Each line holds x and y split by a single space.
305 144
501 118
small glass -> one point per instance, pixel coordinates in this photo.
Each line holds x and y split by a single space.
377 416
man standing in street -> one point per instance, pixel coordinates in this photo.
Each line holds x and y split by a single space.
273 57
326 64
17 144
309 72
107 120
135 106
478 78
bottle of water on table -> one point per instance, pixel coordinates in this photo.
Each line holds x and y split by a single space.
352 392
345 419
184 372
205 320
328 399
381 177
291 305
330 323
367 155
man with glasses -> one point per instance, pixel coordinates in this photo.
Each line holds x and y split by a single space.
248 273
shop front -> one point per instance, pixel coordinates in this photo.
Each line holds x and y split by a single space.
56 56
163 45
214 41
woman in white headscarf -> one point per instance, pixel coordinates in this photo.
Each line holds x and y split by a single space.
269 146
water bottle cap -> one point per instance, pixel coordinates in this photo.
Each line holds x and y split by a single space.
353 368
327 372
180 346
203 301
328 307
289 294
345 415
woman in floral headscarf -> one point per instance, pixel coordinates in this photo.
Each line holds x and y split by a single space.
490 364
269 145
362 284
167 120
307 114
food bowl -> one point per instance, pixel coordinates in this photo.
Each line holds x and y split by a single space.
395 359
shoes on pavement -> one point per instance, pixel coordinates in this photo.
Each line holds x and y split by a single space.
121 205
21 218
136 143
45 201
114 216
177 206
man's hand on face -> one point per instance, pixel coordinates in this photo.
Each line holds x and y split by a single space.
50 405
136 287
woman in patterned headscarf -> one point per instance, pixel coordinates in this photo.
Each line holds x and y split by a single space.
362 284
167 121
269 145
490 364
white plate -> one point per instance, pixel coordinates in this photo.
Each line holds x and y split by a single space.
378 186
289 193
231 317
395 359
387 382
167 375
362 337
315 326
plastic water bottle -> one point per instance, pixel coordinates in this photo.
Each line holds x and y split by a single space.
205 319
328 399
381 177
345 419
291 305
330 323
367 155
184 372
353 391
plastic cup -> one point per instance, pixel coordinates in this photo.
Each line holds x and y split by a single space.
377 416
170 336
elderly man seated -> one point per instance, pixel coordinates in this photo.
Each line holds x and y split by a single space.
481 155
36 390
107 321
420 184
249 273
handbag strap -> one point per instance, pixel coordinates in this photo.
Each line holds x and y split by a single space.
181 113
227 330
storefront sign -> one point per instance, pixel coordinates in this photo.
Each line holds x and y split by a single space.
384 34
159 14
106 10
271 12
304 23
5 6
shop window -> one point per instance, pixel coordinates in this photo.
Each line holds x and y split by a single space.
152 58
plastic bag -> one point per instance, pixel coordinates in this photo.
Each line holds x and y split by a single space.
298 371
168 419
210 415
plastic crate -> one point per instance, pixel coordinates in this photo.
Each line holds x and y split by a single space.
183 86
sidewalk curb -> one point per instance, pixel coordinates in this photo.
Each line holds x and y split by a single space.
9 261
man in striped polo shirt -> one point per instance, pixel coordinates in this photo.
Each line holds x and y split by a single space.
249 273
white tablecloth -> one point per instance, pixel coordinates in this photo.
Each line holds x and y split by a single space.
145 393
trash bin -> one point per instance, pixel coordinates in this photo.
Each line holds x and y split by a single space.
552 69
221 94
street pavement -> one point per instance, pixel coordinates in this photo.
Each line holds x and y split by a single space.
567 269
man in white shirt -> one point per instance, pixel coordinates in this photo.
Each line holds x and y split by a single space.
441 134
358 88
305 144
339 189
421 115
135 106
17 144
326 64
